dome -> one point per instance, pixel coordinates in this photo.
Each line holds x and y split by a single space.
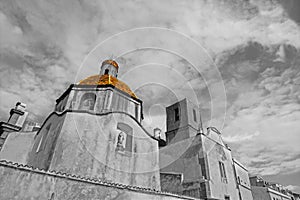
107 80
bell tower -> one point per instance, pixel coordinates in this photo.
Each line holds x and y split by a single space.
183 121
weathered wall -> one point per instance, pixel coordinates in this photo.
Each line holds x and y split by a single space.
186 126
107 99
260 193
86 145
40 155
243 181
216 152
191 121
17 146
198 159
171 123
171 182
27 184
182 134
182 157
265 193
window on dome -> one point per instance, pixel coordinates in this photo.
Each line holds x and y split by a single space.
106 71
87 101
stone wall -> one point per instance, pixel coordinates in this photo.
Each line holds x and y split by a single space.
86 144
217 153
171 182
243 182
21 182
17 146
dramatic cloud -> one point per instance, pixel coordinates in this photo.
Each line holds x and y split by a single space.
255 45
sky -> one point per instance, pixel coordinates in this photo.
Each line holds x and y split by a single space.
238 59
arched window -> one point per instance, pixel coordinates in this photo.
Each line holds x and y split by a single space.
87 101
106 71
124 138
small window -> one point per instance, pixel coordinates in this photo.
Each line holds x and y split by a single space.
227 197
222 171
194 114
176 112
106 71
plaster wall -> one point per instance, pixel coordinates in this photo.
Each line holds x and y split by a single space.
40 155
260 193
85 144
17 146
193 121
172 124
182 157
22 184
216 152
107 99
243 182
171 182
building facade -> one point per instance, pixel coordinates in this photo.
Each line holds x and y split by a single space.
263 190
94 131
202 159
243 181
93 146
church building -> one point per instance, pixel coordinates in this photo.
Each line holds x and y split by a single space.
197 163
93 146
94 131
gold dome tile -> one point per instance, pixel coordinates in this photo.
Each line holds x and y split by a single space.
107 80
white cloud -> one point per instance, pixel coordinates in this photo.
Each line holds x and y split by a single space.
293 187
44 42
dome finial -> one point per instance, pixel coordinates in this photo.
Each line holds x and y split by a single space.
109 67
111 62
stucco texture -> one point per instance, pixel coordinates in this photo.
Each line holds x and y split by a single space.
16 183
86 145
17 146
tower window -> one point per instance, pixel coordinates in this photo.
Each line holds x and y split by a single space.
194 114
176 112
106 71
222 172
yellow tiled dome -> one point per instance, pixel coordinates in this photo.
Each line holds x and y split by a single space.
107 80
